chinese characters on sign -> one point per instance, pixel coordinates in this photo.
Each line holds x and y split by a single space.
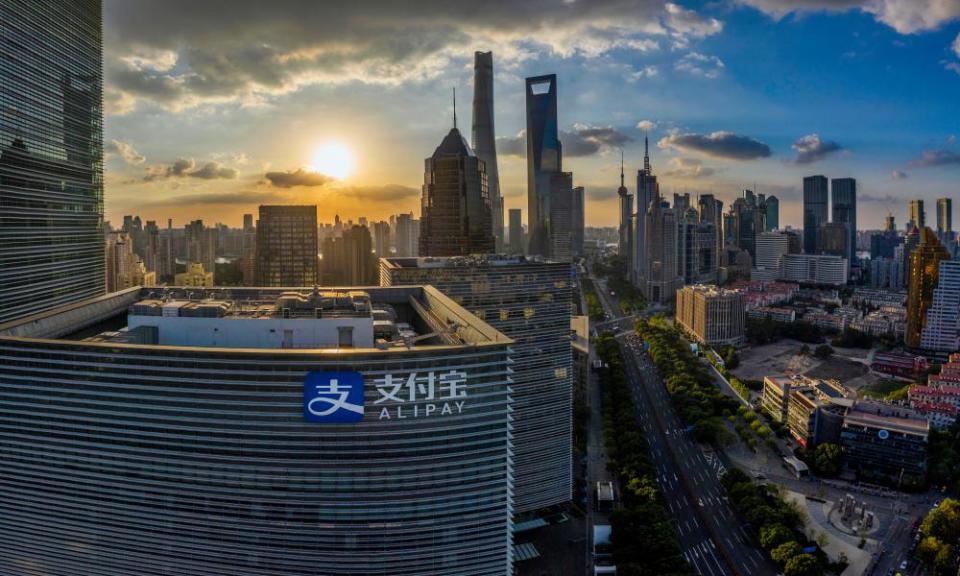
444 393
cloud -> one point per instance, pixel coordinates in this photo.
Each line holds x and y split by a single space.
125 150
181 53
187 167
383 193
898 175
697 64
904 16
717 144
688 168
939 157
647 125
298 177
811 148
583 140
239 197
887 199
955 66
637 74
685 24
956 46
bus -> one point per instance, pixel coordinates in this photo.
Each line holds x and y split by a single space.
605 497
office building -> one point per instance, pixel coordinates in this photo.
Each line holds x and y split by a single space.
918 216
945 219
516 231
51 156
407 235
124 268
941 332
195 275
549 188
713 316
484 137
287 246
711 211
697 249
455 212
529 301
648 192
200 244
381 239
578 217
815 210
348 259
885 440
625 231
923 278
771 207
833 238
662 274
248 259
681 202
814 269
367 432
812 410
771 248
844 212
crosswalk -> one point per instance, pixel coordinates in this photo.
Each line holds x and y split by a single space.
713 461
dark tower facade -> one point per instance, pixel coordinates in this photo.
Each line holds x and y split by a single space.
484 136
456 215
51 155
549 189
815 210
844 202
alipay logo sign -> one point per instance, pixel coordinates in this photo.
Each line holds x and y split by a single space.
333 397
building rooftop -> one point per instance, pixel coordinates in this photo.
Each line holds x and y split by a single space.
888 417
465 261
340 319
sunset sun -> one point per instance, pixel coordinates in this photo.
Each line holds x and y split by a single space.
333 159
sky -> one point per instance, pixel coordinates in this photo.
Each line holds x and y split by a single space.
212 109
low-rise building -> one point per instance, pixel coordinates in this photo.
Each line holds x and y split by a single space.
885 440
714 316
811 409
773 313
898 364
814 269
195 276
879 298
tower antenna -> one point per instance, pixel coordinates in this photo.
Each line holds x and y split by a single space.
646 152
454 107
621 167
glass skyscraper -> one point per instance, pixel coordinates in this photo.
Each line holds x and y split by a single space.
844 199
51 155
815 210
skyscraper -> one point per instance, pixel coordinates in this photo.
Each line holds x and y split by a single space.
549 189
945 218
578 216
772 210
815 210
406 239
625 235
287 246
923 278
348 259
51 155
647 191
844 212
711 210
941 333
381 239
516 231
455 217
918 216
484 136
661 273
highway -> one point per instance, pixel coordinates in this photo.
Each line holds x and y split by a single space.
714 541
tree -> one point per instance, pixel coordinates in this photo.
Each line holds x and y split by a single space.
826 459
784 552
823 351
804 350
774 535
731 359
802 565
944 521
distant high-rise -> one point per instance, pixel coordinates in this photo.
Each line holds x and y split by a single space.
944 217
516 231
248 222
200 243
661 272
381 239
455 217
681 202
815 210
406 239
549 189
844 201
625 236
923 278
51 155
578 216
889 223
287 246
647 191
772 210
711 210
348 259
771 248
918 216
484 136
941 333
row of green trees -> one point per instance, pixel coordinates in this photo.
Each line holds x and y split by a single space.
614 269
778 525
594 308
694 395
643 539
941 531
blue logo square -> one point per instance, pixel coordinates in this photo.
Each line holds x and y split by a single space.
333 397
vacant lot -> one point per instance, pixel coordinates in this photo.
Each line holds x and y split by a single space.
772 359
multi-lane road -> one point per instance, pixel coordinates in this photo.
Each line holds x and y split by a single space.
714 540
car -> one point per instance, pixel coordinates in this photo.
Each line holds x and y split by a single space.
903 565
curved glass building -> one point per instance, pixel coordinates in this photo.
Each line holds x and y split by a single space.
255 432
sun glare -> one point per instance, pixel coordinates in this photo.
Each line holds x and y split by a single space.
333 159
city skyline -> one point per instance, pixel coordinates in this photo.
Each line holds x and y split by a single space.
190 132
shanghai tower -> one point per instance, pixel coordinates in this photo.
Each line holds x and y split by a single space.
484 136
